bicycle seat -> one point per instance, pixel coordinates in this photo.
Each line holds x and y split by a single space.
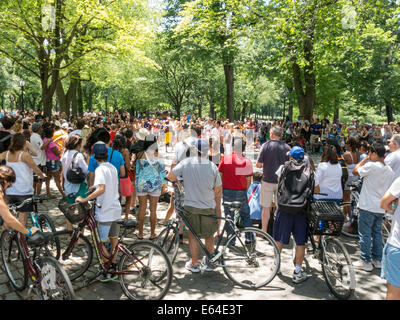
234 204
39 238
128 223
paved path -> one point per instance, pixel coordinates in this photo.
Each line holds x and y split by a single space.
215 285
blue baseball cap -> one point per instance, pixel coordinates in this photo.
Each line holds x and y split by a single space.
100 150
297 152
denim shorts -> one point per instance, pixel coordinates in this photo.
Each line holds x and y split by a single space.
287 223
53 165
391 265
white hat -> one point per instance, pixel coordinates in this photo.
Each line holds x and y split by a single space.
143 132
64 125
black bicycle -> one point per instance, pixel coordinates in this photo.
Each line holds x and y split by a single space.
249 257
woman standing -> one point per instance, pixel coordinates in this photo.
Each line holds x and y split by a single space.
150 176
53 160
74 156
120 144
351 158
24 166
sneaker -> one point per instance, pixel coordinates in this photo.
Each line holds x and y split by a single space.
193 268
299 277
376 264
366 266
107 277
205 265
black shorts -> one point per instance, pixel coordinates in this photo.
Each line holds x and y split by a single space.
14 199
43 169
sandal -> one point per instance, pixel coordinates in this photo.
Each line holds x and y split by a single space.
153 238
139 237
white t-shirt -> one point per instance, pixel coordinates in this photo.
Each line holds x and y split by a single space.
78 162
110 209
328 177
394 236
393 160
37 142
377 180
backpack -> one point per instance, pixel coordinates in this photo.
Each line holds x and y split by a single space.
295 186
3 141
75 174
345 171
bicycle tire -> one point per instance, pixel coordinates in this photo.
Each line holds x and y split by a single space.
54 282
168 239
264 250
80 258
11 256
47 225
151 276
336 259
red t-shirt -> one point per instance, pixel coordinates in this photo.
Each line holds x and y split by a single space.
235 168
112 135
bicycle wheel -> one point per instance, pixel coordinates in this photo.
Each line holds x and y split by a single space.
47 225
53 281
253 261
337 268
168 239
146 274
79 259
11 256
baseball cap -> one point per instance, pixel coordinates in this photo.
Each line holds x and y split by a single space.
100 150
202 146
297 152
36 126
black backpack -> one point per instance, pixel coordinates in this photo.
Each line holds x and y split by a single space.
295 187
75 174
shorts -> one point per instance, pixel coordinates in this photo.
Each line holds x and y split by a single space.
15 199
151 194
82 192
42 168
204 226
108 230
391 265
314 139
53 165
286 224
269 192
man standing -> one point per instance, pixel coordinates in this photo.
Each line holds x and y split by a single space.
393 158
40 159
316 129
273 154
236 172
377 178
203 191
391 257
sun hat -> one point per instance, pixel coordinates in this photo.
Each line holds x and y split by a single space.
143 132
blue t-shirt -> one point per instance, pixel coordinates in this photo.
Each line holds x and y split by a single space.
315 127
117 160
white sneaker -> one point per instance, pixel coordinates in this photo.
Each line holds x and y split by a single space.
194 268
205 266
299 277
376 264
366 266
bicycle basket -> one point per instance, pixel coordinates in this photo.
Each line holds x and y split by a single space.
326 218
73 212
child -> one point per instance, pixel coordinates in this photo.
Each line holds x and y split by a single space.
106 183
253 197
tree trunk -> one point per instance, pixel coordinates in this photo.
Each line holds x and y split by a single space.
389 110
229 80
80 100
62 98
336 115
245 104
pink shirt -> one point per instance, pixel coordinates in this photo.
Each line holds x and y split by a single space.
49 153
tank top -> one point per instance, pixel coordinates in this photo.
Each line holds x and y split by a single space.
23 185
351 166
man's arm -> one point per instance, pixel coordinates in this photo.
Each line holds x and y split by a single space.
387 200
259 165
360 164
171 176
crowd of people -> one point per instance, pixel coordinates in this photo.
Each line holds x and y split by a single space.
121 157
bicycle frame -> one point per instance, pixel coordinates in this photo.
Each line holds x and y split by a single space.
105 262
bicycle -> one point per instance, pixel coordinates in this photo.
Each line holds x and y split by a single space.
144 270
247 256
39 220
49 279
350 228
325 220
